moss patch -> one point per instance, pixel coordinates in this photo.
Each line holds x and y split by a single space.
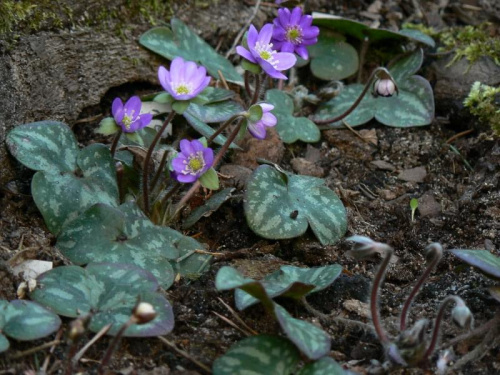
482 102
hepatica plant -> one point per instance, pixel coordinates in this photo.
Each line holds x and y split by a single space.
114 208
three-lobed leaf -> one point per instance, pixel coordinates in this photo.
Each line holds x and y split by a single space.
110 291
290 128
279 205
258 355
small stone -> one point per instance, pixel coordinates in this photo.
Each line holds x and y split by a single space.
417 174
307 168
428 206
358 307
383 165
387 195
271 149
312 154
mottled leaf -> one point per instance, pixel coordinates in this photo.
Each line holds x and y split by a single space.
323 366
418 36
413 106
48 146
107 234
62 196
292 282
182 41
214 112
258 355
208 207
111 290
332 59
311 340
485 261
290 128
4 343
279 206
205 130
215 95
25 320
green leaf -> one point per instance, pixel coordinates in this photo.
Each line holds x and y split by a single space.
311 340
180 106
206 130
483 260
25 320
163 98
107 126
324 66
62 196
292 282
413 106
183 42
214 95
210 179
214 112
111 290
255 113
4 343
419 36
290 128
272 197
208 207
107 234
251 67
48 146
258 355
323 366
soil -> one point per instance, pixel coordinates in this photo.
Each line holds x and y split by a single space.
459 207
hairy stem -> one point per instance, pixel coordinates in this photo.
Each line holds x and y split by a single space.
145 168
379 278
115 142
256 93
114 343
436 251
159 171
247 83
223 127
355 104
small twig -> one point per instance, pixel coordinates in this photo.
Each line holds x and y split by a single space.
479 351
51 351
237 317
223 79
96 337
356 133
242 31
458 135
160 170
35 349
88 119
232 324
185 354
492 323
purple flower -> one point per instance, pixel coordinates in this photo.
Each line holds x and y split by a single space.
193 160
185 79
128 116
258 129
293 32
262 52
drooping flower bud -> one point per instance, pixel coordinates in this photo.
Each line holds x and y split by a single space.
445 358
384 87
461 314
365 247
144 312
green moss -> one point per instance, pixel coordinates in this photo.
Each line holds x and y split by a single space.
471 42
481 102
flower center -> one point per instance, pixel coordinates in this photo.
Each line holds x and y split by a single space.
182 89
266 53
194 164
127 120
294 34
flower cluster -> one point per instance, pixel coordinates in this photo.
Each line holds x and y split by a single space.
128 116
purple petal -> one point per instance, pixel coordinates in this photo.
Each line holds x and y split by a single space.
286 60
287 47
296 15
284 16
308 42
199 77
201 87
266 107
145 119
266 33
118 116
208 156
186 147
269 69
305 21
310 32
197 145
302 52
116 106
268 119
186 178
189 71
252 36
258 130
279 33
179 163
245 54
277 44
164 77
176 69
134 126
133 106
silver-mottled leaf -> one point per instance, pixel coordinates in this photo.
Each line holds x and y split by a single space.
4 343
323 366
480 259
214 112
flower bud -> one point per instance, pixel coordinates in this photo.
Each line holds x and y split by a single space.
144 313
365 247
384 87
445 358
461 315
